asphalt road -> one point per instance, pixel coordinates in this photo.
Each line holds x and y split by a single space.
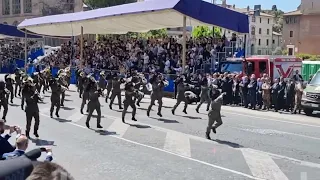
249 145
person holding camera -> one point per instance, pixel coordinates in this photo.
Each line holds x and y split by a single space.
5 146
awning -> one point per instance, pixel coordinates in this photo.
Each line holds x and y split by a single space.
139 17
8 31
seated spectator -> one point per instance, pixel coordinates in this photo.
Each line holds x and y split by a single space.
21 146
5 146
49 171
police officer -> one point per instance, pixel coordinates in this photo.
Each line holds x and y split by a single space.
3 99
9 85
32 109
94 104
181 89
158 84
214 114
56 90
18 82
116 91
130 92
204 95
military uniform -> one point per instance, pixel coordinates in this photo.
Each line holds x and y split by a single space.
85 94
181 89
3 99
56 90
214 115
109 87
18 83
94 104
298 98
129 101
204 97
266 97
9 86
156 95
32 111
102 81
116 92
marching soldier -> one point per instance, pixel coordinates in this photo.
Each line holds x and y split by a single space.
298 97
32 109
36 80
204 95
9 85
56 90
116 91
181 89
139 84
214 115
94 104
102 81
158 84
81 83
62 81
130 92
3 99
18 82
109 86
67 72
85 94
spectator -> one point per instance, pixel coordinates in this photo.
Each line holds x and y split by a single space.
49 171
5 146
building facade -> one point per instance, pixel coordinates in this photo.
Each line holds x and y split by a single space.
301 29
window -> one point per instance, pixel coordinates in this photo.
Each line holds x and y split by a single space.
273 41
291 33
260 20
287 20
259 43
260 30
268 32
267 42
253 19
16 7
253 30
268 21
5 7
27 5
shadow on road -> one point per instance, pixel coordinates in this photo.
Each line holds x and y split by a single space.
14 105
41 142
139 126
104 132
166 120
62 120
228 143
67 108
68 100
190 117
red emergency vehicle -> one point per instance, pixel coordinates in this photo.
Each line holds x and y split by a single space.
274 66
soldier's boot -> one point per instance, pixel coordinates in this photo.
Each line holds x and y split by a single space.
99 126
172 111
4 118
185 111
87 110
57 114
36 134
159 114
214 130
207 109
51 114
138 104
197 110
133 119
208 136
11 101
110 106
88 125
120 107
299 111
28 134
81 111
148 113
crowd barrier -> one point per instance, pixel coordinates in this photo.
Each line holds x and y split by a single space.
96 74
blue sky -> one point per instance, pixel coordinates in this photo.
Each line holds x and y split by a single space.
284 5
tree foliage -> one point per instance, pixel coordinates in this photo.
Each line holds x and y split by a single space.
278 18
205 31
160 33
106 3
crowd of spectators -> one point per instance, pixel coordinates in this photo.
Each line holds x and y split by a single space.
145 55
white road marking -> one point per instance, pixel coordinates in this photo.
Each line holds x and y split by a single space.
119 127
271 119
76 116
178 143
262 165
282 132
172 153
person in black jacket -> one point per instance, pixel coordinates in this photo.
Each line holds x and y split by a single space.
5 146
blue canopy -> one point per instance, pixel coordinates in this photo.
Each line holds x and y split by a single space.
8 31
139 17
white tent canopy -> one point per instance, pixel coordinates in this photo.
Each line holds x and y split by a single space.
137 17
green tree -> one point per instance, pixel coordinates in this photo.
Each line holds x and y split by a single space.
205 31
106 3
274 8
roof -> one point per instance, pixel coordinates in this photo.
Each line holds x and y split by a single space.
251 12
293 13
139 17
8 31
